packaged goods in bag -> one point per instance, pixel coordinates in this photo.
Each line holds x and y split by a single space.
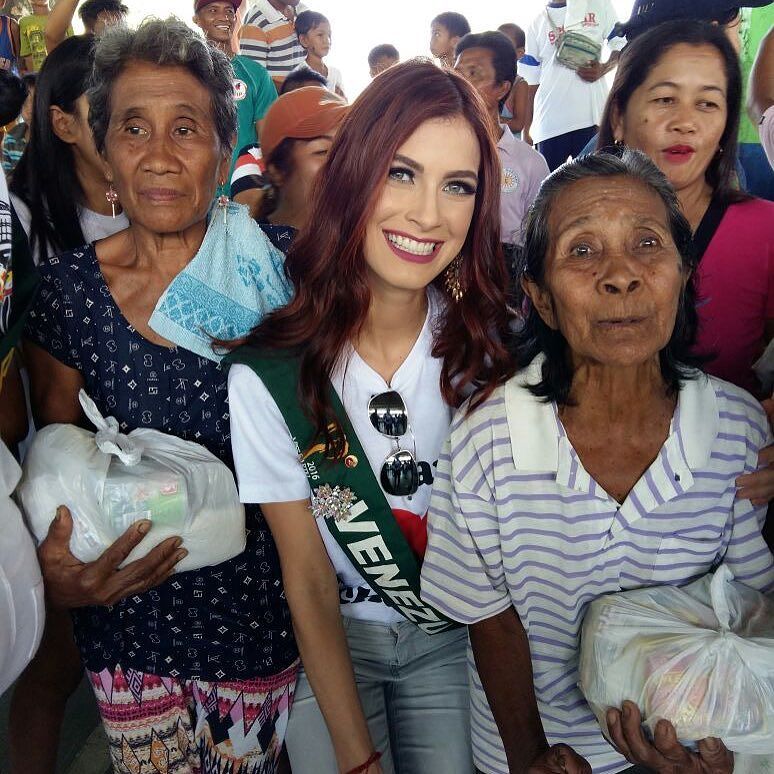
110 480
21 585
700 656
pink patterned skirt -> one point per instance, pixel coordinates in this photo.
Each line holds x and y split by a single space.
163 725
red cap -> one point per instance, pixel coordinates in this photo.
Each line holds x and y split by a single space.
199 4
301 115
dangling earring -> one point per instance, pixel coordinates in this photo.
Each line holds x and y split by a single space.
112 197
452 279
223 203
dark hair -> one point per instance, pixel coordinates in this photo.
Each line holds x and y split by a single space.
510 29
303 76
13 92
536 337
328 268
306 21
166 43
502 50
644 53
45 178
281 158
728 16
30 80
455 23
647 14
91 9
385 50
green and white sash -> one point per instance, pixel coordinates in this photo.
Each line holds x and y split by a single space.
363 525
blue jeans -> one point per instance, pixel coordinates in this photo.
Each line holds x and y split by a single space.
414 692
556 150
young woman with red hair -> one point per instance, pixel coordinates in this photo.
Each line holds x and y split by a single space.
345 396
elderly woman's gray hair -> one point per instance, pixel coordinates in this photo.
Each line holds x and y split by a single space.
166 43
535 337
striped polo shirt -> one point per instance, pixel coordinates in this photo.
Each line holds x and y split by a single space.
270 39
515 519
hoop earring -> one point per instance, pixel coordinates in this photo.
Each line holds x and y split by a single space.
112 197
452 281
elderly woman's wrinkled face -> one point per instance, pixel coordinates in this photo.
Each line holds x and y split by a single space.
613 275
162 147
678 115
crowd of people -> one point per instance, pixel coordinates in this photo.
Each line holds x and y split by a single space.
487 343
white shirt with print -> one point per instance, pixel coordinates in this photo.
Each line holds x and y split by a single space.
267 462
564 102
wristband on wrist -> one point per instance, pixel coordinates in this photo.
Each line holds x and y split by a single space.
363 767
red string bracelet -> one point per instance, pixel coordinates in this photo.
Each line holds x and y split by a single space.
375 756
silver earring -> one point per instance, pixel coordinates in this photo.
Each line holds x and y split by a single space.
112 197
223 201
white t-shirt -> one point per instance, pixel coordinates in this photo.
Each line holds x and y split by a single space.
266 459
333 80
564 102
94 225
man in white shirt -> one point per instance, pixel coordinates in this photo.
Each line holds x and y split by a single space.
487 60
567 103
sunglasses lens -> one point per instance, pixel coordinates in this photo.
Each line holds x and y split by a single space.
387 413
400 475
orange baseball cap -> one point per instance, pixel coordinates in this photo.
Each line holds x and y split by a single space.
301 115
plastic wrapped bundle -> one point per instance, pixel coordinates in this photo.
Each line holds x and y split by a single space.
109 481
701 656
21 586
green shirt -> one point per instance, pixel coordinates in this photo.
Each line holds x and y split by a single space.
32 37
254 92
756 22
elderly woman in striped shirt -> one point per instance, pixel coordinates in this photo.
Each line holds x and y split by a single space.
607 463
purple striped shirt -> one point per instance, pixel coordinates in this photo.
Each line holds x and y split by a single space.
515 519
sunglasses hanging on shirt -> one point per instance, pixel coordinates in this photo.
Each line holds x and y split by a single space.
399 475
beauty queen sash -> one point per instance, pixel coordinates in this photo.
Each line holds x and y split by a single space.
346 492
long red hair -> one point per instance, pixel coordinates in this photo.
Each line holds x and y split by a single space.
326 262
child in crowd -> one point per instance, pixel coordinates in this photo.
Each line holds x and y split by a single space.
516 107
9 41
445 31
301 77
13 92
32 31
381 57
314 34
15 139
96 16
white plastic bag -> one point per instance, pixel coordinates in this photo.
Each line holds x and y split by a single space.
109 481
701 656
21 586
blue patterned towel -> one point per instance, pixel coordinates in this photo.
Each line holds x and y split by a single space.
235 279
